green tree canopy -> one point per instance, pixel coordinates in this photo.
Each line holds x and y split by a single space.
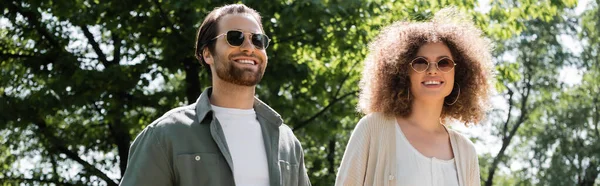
80 79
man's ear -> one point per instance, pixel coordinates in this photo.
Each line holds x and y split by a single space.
207 56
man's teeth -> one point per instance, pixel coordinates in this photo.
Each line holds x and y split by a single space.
244 61
432 83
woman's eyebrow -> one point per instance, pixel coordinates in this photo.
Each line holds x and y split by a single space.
438 58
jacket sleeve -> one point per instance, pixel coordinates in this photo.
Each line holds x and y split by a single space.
303 179
354 162
147 163
475 178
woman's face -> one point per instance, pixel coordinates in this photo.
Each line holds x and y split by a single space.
435 81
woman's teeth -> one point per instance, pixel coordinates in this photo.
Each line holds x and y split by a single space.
432 82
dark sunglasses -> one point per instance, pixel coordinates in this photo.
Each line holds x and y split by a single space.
420 64
235 38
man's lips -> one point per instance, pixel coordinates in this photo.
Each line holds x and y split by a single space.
246 61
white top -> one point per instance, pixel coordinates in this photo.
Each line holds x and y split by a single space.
245 141
416 169
370 157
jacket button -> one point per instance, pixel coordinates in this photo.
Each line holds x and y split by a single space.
390 177
197 158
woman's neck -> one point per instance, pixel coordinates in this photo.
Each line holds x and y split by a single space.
426 115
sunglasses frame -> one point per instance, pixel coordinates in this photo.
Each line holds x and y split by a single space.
244 33
429 64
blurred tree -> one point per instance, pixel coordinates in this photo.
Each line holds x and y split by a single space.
539 57
532 88
567 143
80 79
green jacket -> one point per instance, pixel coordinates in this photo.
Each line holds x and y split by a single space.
186 146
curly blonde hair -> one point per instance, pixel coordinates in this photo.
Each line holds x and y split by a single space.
385 82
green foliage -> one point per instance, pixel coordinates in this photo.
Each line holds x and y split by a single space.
80 79
569 142
545 112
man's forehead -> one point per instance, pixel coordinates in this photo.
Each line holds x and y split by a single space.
242 22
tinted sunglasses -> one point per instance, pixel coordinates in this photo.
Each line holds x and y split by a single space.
420 64
235 38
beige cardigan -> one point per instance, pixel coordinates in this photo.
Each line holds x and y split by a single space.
370 155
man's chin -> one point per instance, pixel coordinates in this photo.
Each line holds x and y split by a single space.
244 81
242 77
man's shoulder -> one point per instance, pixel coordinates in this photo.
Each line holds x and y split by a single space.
286 133
290 148
183 116
265 111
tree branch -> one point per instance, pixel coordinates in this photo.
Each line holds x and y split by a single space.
117 133
294 37
581 170
191 66
513 131
95 45
309 120
117 48
4 55
335 99
97 108
192 79
34 20
591 174
510 107
84 57
345 78
596 119
170 24
58 145
572 161
524 112
331 156
309 32
54 164
39 180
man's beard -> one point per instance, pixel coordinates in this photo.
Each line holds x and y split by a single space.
229 72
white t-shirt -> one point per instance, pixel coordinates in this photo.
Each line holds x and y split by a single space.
245 141
415 168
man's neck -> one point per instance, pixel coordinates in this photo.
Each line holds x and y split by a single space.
229 95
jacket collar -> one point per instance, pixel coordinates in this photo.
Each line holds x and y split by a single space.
204 109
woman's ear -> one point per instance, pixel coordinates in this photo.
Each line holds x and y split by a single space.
207 56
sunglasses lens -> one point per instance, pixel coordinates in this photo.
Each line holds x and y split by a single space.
445 65
235 38
420 64
261 41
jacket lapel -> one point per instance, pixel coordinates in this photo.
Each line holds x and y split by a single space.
458 159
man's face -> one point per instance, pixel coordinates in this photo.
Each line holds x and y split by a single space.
241 65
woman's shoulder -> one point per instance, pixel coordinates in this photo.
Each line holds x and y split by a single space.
373 123
462 141
375 120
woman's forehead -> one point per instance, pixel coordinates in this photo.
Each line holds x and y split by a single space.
434 51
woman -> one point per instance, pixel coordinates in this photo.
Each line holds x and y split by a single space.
417 76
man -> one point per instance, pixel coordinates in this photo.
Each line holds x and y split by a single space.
228 137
